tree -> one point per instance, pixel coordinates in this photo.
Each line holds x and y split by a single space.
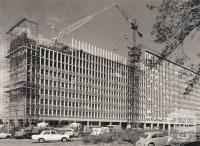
176 19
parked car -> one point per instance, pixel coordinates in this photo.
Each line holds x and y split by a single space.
71 133
50 135
5 135
27 132
153 139
20 134
99 130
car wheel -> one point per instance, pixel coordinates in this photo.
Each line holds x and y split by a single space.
41 140
151 144
8 137
171 142
24 137
64 139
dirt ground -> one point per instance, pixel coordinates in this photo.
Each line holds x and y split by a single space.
77 142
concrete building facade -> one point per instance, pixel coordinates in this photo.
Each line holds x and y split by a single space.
88 84
77 83
163 102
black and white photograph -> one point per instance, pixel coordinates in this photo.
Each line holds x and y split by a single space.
99 72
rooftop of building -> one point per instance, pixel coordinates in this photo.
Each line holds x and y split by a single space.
91 49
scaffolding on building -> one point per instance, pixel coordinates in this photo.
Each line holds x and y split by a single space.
23 61
4 79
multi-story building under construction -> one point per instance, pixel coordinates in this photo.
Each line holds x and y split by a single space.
93 86
79 83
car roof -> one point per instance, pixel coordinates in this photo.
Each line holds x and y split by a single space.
151 133
48 130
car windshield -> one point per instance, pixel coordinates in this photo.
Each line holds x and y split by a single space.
21 130
144 135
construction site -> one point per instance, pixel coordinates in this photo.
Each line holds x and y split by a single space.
62 83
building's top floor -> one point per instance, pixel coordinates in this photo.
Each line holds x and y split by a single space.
78 46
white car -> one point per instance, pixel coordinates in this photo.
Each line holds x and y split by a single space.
153 139
71 133
50 135
5 135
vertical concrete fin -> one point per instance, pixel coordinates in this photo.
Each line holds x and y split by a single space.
82 46
86 49
76 43
79 45
89 50
92 50
72 42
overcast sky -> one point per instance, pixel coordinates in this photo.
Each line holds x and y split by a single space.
108 30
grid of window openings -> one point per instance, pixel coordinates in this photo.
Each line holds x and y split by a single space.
82 85
162 91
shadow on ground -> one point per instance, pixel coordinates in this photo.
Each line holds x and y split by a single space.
193 144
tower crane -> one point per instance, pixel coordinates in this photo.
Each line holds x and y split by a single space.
134 52
58 41
134 24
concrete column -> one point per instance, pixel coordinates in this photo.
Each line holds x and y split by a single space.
169 127
151 126
99 123
88 123
163 126
144 126
29 122
59 123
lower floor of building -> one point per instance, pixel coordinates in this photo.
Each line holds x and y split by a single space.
59 122
159 126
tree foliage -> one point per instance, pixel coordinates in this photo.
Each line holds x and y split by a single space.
176 19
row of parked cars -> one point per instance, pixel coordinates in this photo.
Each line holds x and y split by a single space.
47 132
46 135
